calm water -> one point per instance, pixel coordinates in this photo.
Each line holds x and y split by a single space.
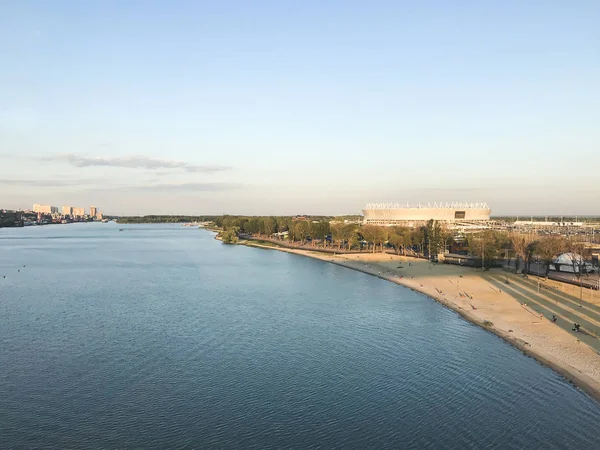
161 337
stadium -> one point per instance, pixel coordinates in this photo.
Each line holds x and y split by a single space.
460 214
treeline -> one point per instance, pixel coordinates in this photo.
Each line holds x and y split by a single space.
558 219
251 224
430 239
165 219
11 219
491 246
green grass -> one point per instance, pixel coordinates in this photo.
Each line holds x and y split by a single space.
262 243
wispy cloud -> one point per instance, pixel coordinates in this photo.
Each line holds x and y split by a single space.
150 185
183 187
47 183
134 162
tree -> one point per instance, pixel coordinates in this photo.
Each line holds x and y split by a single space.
407 240
369 234
396 239
575 254
485 246
381 237
318 230
548 248
218 222
447 237
524 247
348 234
433 238
337 235
267 226
283 224
301 230
353 241
418 238
251 226
230 236
229 222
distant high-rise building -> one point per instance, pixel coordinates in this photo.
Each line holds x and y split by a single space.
93 211
78 212
67 210
44 209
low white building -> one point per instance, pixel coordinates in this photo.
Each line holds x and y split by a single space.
541 224
571 263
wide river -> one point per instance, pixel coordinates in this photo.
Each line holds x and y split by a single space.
161 337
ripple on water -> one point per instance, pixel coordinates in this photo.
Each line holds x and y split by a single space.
171 340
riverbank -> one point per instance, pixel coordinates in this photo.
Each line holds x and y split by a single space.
486 300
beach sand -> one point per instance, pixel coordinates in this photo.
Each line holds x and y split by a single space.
483 299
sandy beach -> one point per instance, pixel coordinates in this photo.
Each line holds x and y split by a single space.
515 311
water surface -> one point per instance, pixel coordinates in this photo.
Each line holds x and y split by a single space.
161 337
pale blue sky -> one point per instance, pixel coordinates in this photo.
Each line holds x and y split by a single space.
300 107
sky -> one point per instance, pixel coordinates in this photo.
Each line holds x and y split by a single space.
311 107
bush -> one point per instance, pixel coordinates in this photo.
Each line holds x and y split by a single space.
229 237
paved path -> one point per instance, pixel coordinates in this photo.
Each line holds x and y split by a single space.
550 303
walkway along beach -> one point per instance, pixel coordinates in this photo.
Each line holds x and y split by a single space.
514 311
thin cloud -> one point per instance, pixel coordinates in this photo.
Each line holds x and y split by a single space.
167 187
150 185
184 187
135 162
47 183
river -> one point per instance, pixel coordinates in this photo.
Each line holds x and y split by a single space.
158 336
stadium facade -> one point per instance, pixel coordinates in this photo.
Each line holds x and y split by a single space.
390 214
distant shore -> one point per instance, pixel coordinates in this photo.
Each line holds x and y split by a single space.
480 299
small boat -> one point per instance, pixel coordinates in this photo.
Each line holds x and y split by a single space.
120 229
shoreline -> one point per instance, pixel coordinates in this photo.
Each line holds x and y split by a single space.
573 375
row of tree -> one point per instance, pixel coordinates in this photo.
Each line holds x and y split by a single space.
430 239
166 219
265 225
11 219
491 246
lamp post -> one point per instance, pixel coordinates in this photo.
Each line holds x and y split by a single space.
482 254
507 264
598 281
580 282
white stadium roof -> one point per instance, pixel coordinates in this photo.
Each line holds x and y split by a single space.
449 205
